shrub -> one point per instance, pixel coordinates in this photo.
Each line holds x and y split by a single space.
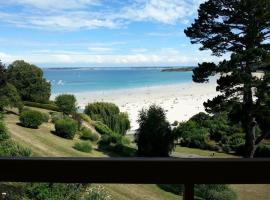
87 134
83 146
3 132
154 136
66 103
109 114
53 191
115 143
50 106
192 134
214 192
102 128
85 117
66 128
262 151
56 116
45 117
10 148
31 118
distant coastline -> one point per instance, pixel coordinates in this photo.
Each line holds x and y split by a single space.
178 69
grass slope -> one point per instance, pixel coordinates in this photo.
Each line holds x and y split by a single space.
44 143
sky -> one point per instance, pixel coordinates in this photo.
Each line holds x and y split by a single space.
99 33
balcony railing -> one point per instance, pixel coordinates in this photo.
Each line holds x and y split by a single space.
137 171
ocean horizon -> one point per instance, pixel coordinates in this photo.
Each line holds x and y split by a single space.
74 80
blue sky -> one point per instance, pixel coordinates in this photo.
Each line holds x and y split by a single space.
93 33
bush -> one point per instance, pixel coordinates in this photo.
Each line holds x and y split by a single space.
50 106
10 148
66 128
102 128
214 192
115 143
66 103
3 132
262 151
85 117
87 134
83 146
109 114
31 118
56 116
53 191
192 135
45 117
154 136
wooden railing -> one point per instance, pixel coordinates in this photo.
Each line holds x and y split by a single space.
137 171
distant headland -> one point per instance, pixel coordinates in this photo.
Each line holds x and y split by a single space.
178 69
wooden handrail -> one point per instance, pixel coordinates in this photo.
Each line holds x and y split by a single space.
136 170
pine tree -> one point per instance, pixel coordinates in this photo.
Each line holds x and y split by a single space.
240 28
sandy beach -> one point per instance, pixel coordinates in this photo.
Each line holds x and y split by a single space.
181 101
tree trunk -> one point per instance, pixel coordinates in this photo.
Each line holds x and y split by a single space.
250 145
249 123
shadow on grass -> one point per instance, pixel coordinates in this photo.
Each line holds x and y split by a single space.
20 124
176 189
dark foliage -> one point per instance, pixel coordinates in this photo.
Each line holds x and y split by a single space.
29 81
220 29
154 136
214 192
9 97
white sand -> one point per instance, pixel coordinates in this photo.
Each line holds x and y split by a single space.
180 101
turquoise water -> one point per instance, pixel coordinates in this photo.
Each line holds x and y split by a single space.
85 79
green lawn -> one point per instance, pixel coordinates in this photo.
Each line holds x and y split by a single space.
44 143
198 152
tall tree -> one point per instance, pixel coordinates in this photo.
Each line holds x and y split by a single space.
29 81
8 93
242 29
154 136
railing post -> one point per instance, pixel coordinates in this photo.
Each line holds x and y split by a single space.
189 192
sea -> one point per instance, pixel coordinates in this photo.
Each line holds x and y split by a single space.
74 80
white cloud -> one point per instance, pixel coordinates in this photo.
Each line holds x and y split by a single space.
81 14
54 4
164 11
166 56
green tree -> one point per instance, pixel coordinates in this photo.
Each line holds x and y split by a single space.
29 81
3 74
66 103
240 28
9 97
8 93
154 136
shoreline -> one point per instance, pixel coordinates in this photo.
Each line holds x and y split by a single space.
180 101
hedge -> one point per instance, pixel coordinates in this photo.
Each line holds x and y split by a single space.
50 106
